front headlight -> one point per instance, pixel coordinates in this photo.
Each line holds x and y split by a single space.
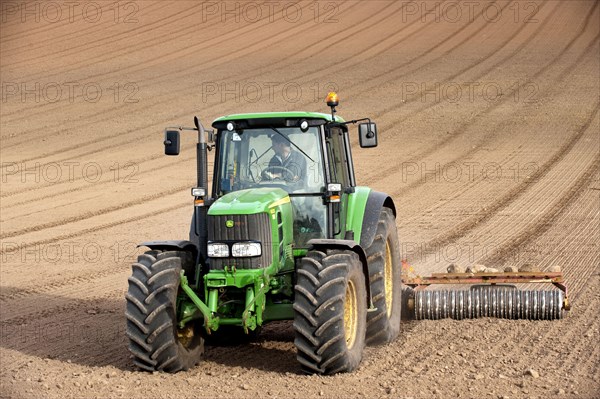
218 250
246 249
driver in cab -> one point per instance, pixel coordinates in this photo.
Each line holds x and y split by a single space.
287 164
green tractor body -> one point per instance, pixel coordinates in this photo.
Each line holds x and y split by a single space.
284 234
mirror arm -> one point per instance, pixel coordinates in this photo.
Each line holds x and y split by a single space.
353 121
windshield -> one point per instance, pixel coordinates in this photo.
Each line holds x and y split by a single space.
284 157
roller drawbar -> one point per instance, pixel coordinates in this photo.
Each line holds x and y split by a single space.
493 298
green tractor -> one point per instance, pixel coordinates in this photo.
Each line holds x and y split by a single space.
284 234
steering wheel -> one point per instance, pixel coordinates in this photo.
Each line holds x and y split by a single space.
284 172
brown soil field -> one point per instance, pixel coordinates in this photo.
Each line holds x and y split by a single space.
489 143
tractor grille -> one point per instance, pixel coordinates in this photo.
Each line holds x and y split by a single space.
256 227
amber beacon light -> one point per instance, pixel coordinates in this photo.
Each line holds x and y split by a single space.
332 99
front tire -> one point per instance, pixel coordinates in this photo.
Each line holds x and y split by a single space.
330 312
155 340
385 268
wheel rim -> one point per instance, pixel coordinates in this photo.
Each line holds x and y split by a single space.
186 335
350 314
388 279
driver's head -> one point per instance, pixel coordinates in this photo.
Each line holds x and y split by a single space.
280 145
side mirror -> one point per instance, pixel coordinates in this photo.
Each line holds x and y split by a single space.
367 135
171 142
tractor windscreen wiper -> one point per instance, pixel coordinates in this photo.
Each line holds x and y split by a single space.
292 143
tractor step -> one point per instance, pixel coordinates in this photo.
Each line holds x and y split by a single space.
492 295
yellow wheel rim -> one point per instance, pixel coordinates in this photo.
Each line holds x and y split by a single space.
185 335
350 315
388 279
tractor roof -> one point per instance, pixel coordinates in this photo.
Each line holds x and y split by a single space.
273 118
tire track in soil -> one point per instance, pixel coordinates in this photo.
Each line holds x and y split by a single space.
53 26
586 52
549 217
463 128
581 236
49 287
101 227
42 43
469 153
567 189
173 76
180 160
339 69
402 191
167 99
395 107
390 109
561 334
99 58
94 213
71 305
511 195
405 189
518 49
87 46
137 162
581 272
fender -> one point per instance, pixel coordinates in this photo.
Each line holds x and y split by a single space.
375 202
174 245
324 244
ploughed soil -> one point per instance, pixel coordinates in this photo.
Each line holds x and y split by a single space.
489 140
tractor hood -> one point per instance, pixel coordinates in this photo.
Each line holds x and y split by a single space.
250 201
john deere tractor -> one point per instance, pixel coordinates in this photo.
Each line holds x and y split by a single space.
284 233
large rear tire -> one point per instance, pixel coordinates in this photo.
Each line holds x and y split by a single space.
330 312
155 340
385 268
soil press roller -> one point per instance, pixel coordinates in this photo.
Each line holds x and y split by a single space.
491 294
284 233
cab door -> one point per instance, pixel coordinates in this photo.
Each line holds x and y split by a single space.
339 172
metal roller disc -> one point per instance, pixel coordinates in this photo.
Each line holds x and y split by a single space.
481 301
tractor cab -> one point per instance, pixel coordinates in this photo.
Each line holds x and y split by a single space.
297 152
305 154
